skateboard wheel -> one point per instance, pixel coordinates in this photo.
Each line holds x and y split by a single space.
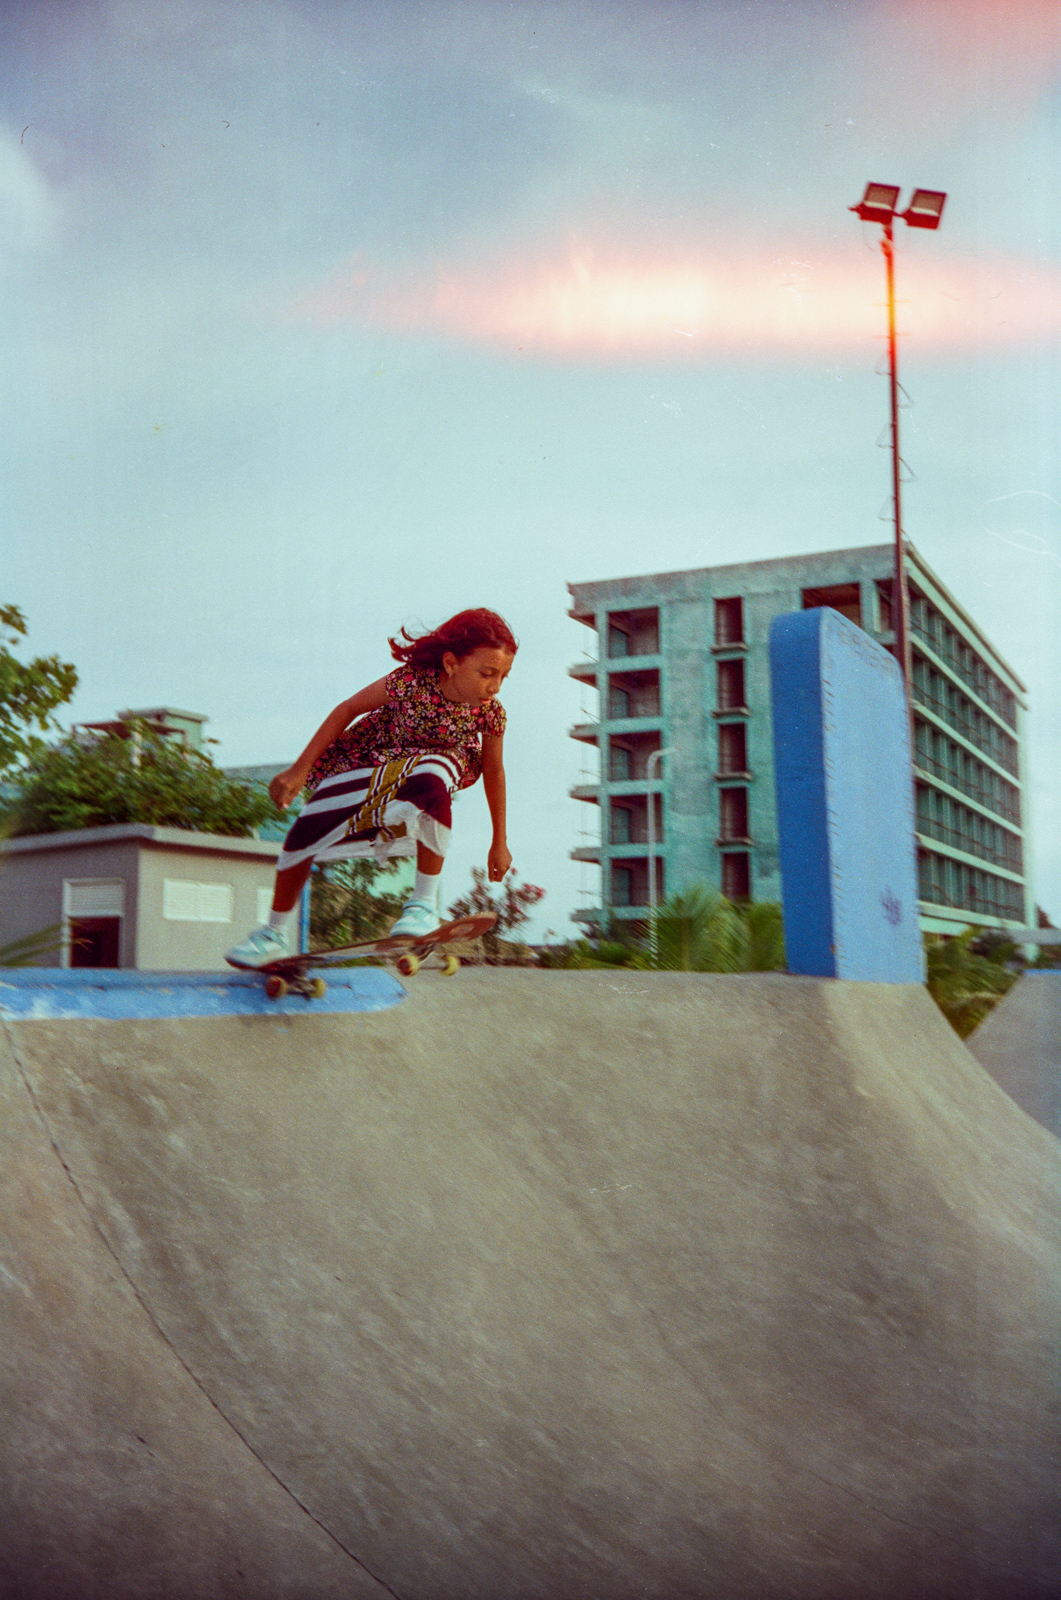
450 965
317 987
408 966
275 987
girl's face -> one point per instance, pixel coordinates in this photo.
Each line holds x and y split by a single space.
474 679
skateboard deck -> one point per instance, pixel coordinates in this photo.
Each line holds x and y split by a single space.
291 974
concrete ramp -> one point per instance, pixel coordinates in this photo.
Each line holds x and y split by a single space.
1019 1044
541 1284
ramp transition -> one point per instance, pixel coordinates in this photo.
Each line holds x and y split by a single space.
540 1284
1019 1044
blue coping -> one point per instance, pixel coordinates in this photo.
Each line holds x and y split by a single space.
53 993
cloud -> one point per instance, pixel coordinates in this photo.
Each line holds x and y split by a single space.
584 303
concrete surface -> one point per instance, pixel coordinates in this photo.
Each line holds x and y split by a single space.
1019 1044
540 1284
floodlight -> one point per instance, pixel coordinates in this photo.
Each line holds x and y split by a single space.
878 203
925 209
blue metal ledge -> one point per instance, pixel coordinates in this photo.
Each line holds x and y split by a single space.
53 993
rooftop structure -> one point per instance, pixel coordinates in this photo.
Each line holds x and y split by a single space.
185 727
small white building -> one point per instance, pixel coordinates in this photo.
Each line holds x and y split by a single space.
130 895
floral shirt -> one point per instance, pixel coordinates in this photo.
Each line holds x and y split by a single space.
417 717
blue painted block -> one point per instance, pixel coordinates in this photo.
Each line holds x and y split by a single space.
845 802
52 993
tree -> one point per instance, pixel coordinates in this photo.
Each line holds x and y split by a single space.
345 906
88 782
29 693
698 931
511 910
703 932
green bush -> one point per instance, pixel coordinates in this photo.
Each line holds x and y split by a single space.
90 782
698 931
964 983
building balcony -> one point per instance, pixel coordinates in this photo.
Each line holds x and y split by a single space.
1004 808
586 852
928 838
588 732
586 791
631 786
998 754
587 671
649 662
650 723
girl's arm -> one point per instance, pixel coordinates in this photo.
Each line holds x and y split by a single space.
286 785
499 858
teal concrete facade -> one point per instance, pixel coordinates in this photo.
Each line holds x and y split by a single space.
679 663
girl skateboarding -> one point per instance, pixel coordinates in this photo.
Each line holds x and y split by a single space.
382 786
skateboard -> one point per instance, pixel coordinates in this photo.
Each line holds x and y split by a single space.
291 974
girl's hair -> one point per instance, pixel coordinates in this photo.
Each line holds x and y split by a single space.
467 631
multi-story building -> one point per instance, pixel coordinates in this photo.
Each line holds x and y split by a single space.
680 671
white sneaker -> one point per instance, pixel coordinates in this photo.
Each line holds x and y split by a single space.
417 918
265 944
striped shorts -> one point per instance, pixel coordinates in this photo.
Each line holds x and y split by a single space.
376 811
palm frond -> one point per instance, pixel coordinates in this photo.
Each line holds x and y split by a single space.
25 951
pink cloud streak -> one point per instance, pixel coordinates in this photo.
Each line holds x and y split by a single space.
588 305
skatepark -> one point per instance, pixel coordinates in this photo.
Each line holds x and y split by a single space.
529 1284
544 1284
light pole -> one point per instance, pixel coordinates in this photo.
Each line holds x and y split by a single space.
924 211
656 756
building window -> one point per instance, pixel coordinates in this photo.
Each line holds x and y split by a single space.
736 875
629 820
634 694
619 763
628 756
634 633
622 830
733 814
842 597
92 921
731 685
729 621
630 882
732 747
183 900
95 941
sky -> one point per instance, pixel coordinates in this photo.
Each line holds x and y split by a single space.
323 319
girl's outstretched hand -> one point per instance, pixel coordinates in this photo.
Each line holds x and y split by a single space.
498 861
285 786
